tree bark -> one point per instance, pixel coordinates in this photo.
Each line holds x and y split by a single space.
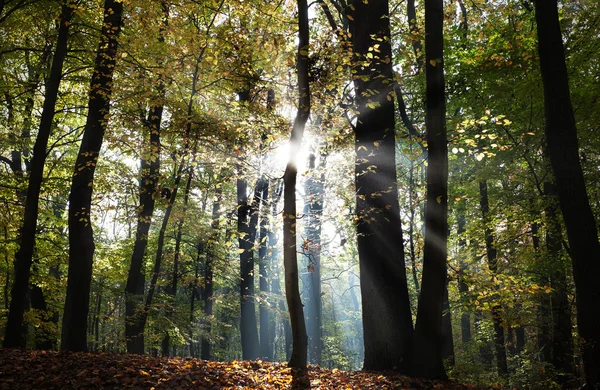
312 252
247 236
81 238
290 256
386 319
544 313
265 348
499 341
427 357
463 287
14 335
207 291
562 336
561 135
150 172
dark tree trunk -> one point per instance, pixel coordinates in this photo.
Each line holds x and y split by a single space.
544 314
266 350
171 289
290 257
499 342
561 134
428 340
387 320
14 335
207 291
150 172
413 27
562 336
81 237
247 220
140 321
447 339
463 287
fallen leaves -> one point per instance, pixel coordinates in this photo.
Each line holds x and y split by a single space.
68 370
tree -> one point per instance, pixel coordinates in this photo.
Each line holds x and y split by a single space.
561 135
386 319
150 173
427 348
24 258
81 238
299 356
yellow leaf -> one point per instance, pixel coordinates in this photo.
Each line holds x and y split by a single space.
439 199
349 17
433 62
240 250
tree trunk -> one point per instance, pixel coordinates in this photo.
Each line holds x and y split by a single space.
312 251
81 238
207 291
266 350
562 336
387 320
171 289
290 259
14 336
150 174
447 339
463 287
561 134
247 236
544 314
428 340
499 342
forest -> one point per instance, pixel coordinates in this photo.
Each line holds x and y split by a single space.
405 186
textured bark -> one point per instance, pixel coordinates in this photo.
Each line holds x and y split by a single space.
428 340
386 308
211 257
299 356
14 335
499 341
81 237
561 135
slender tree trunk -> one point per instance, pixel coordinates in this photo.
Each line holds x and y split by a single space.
290 259
247 236
427 351
387 320
81 238
562 336
463 287
561 134
171 289
14 335
266 352
499 342
544 315
207 291
312 252
150 172
447 339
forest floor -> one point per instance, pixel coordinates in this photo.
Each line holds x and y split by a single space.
68 370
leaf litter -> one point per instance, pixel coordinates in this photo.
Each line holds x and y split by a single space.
28 369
